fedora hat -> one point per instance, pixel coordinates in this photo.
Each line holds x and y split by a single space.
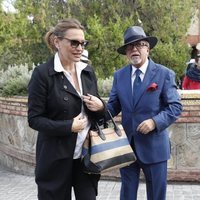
135 34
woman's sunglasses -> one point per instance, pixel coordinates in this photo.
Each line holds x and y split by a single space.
76 43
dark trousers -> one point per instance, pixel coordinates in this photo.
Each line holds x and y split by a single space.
57 181
156 180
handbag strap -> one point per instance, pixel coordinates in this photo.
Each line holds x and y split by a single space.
116 128
100 132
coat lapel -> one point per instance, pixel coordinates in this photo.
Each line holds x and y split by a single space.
149 75
67 86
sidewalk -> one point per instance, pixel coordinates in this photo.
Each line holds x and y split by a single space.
19 187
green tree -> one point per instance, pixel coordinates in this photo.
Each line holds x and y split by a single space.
169 21
22 32
105 21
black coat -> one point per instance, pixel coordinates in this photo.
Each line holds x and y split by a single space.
52 104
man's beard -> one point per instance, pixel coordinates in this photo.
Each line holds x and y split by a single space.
135 61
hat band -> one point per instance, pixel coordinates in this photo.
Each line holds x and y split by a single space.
137 37
84 56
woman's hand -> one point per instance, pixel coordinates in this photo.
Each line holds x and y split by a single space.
79 123
93 103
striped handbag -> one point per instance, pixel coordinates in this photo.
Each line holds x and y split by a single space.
106 149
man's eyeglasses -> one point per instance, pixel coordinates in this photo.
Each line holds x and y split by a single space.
138 45
76 43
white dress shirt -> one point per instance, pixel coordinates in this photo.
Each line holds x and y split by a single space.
143 70
79 67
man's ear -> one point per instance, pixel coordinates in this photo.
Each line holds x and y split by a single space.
148 51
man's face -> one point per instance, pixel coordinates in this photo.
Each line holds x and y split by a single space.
137 53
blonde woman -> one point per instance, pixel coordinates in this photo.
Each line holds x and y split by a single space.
63 100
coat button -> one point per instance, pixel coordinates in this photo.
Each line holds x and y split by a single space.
65 98
65 87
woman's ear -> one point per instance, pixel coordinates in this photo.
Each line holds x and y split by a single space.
56 42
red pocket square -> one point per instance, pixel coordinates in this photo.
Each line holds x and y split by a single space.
152 87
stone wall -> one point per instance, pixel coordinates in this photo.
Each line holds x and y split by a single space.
185 139
17 140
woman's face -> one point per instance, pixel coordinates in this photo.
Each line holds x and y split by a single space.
71 46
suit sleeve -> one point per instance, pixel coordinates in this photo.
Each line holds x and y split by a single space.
114 105
170 103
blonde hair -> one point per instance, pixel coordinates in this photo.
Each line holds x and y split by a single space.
60 30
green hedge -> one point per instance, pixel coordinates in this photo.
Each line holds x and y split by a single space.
14 81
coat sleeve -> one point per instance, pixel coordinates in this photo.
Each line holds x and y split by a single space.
171 106
37 100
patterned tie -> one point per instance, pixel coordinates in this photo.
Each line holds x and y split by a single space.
136 84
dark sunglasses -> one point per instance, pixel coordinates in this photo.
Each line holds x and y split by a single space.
138 45
76 43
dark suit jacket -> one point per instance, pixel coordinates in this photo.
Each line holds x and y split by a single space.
52 105
162 105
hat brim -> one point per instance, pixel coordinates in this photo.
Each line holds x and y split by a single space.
151 40
84 58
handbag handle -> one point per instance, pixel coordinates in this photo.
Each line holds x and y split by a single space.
116 128
100 132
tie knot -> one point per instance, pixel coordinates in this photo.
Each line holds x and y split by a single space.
138 72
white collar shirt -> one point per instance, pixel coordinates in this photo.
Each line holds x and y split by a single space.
143 70
79 67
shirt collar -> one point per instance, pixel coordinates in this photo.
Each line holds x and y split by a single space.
57 64
143 68
59 68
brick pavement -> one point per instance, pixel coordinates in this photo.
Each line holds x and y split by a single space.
19 187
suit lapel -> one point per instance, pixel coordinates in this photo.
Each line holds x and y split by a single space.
149 75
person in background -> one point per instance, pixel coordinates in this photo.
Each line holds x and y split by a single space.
146 95
191 81
195 51
84 57
190 63
63 101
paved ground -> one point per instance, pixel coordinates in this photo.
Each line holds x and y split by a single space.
18 187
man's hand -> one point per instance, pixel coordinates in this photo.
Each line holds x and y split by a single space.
146 126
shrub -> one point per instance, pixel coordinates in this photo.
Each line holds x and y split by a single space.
14 80
104 86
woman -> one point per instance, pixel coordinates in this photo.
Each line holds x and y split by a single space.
63 100
191 80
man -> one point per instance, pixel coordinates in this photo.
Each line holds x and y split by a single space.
149 103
